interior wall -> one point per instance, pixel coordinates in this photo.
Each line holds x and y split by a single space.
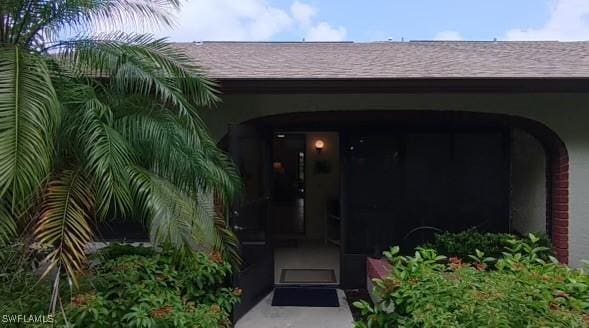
528 183
320 185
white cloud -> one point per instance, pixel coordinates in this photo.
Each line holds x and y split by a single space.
569 21
448 36
244 20
325 32
247 20
302 12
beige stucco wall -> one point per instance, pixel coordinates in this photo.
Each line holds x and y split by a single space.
528 183
566 114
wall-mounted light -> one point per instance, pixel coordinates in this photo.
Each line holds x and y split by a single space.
319 144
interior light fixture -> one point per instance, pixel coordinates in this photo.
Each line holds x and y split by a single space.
319 145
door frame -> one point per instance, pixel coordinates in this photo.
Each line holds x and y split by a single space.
339 131
250 275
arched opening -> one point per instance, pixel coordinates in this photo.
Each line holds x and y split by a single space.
445 169
557 183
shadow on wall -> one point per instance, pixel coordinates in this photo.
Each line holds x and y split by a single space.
528 183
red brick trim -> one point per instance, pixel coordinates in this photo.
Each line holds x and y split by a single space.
377 268
558 201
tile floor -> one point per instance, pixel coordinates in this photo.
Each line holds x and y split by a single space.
307 255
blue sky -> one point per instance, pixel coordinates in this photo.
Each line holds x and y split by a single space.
376 20
424 19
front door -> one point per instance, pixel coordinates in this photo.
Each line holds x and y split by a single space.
249 148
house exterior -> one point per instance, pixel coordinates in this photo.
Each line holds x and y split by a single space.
417 136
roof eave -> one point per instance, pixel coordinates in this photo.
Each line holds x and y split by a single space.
405 85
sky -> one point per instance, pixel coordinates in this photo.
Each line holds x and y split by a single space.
379 20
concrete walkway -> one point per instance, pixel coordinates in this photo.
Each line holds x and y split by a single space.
264 315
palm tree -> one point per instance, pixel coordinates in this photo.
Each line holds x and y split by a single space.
104 125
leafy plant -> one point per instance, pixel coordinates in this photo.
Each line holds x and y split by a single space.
116 250
21 291
155 290
144 289
102 125
463 244
522 290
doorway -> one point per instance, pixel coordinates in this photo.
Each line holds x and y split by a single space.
288 186
305 208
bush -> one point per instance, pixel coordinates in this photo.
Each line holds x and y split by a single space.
157 290
129 287
21 292
116 250
464 243
522 290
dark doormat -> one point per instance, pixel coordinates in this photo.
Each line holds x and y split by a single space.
305 296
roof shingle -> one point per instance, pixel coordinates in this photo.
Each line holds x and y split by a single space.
415 59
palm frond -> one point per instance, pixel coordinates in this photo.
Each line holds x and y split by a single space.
7 225
176 219
141 64
226 241
30 23
105 155
29 114
64 222
179 154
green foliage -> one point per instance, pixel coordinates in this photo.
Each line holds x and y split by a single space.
104 125
116 250
130 287
21 291
154 290
463 244
522 290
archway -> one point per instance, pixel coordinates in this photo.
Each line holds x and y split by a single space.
557 160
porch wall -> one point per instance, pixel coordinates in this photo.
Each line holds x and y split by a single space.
528 183
565 114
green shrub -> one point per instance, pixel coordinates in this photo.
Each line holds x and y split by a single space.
115 250
129 287
20 289
464 243
522 290
157 290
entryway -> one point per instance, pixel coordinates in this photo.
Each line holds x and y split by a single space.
287 218
304 202
403 176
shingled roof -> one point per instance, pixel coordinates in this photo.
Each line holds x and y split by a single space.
390 60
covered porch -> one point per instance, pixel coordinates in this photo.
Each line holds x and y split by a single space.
398 177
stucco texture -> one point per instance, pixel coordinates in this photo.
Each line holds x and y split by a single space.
566 114
528 183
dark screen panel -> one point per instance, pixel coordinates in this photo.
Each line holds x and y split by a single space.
428 196
481 182
374 175
397 184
